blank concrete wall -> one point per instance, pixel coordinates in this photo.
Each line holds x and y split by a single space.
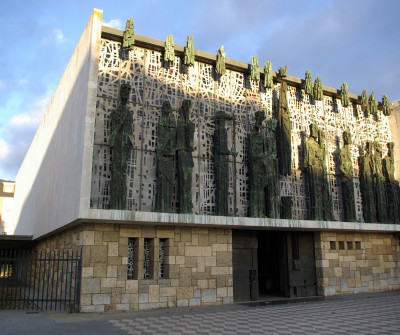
51 185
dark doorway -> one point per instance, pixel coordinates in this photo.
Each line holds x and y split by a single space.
272 264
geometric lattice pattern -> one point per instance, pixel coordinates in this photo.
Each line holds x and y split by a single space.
153 81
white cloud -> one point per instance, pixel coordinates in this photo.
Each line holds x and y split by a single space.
34 114
4 149
59 36
115 23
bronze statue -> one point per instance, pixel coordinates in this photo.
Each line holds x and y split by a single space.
166 149
346 174
392 186
318 94
254 69
283 71
386 109
327 201
169 53
364 102
128 39
220 68
314 167
189 52
284 133
120 142
221 162
366 167
308 86
379 184
263 169
268 82
373 107
184 147
345 95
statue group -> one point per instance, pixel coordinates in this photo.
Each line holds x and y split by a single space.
379 189
174 144
269 157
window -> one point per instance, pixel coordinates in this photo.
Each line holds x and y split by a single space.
350 245
146 258
161 259
341 245
358 245
332 245
131 271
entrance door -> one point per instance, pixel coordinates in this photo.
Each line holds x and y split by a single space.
272 264
244 259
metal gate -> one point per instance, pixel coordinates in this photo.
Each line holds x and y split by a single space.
46 281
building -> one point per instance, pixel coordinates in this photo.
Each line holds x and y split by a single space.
6 205
147 255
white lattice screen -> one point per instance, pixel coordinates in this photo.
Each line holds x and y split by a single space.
154 81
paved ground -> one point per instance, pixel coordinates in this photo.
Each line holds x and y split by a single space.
377 313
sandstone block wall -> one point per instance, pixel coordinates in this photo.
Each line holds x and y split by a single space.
353 263
198 261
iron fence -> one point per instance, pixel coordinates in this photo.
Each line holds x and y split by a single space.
44 280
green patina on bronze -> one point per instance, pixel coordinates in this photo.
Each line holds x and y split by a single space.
221 162
128 39
379 184
166 150
254 69
386 109
120 142
318 94
308 86
263 169
392 186
346 174
344 94
268 82
366 168
184 147
220 67
169 53
364 102
373 106
327 201
283 71
284 133
189 52
314 168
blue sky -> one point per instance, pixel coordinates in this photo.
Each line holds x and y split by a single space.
353 41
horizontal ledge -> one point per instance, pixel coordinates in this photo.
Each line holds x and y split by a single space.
204 57
153 218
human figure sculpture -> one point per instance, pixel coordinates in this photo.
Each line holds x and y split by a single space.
221 162
318 93
120 142
169 53
166 150
327 201
263 169
392 186
220 68
366 167
189 52
313 166
308 86
346 174
379 184
344 94
184 147
254 69
128 38
284 133
268 81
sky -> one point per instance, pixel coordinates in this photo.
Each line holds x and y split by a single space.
353 41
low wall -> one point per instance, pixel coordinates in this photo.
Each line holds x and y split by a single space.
353 263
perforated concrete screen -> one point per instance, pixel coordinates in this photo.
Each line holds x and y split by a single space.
154 81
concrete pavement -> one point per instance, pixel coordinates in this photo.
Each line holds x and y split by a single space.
375 313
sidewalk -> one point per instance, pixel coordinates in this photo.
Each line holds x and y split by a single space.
375 313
